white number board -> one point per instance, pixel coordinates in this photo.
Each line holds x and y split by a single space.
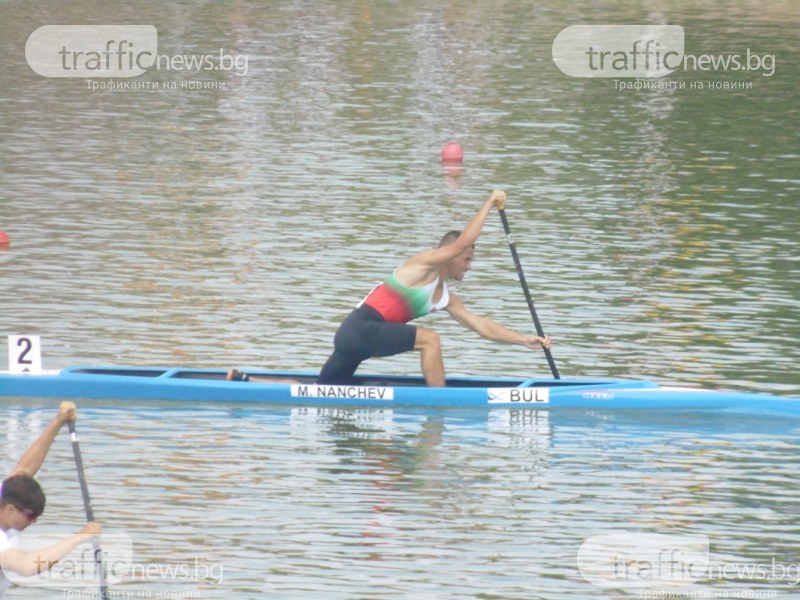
24 354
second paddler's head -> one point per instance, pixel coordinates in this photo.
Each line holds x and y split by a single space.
21 502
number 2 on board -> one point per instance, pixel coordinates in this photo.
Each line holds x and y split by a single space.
24 354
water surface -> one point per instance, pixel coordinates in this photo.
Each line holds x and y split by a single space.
658 230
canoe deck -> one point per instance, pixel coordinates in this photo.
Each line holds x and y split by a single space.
303 377
210 386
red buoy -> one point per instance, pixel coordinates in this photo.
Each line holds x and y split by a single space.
452 152
5 242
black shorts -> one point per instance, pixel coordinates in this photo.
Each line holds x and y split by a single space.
362 335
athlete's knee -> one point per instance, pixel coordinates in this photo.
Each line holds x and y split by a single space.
338 369
428 340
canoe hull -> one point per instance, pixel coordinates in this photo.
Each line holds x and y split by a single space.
209 385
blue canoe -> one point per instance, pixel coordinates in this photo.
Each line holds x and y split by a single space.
209 385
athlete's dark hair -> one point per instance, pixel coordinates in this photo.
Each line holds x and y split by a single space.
24 492
450 237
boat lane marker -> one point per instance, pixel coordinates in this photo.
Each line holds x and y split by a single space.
24 354
359 392
532 395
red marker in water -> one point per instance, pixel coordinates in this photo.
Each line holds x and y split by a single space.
452 152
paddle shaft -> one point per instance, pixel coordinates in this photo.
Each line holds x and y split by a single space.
526 291
98 553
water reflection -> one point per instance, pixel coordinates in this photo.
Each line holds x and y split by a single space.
239 225
349 502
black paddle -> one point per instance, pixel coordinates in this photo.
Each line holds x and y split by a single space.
98 553
539 330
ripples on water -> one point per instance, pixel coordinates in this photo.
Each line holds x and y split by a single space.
307 502
658 230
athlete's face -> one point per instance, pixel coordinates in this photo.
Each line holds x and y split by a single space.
462 263
17 518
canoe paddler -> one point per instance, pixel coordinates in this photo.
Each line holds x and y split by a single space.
22 502
379 325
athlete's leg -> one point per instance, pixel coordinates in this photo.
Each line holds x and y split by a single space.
429 346
339 368
347 351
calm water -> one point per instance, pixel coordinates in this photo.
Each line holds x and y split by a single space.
284 503
236 226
